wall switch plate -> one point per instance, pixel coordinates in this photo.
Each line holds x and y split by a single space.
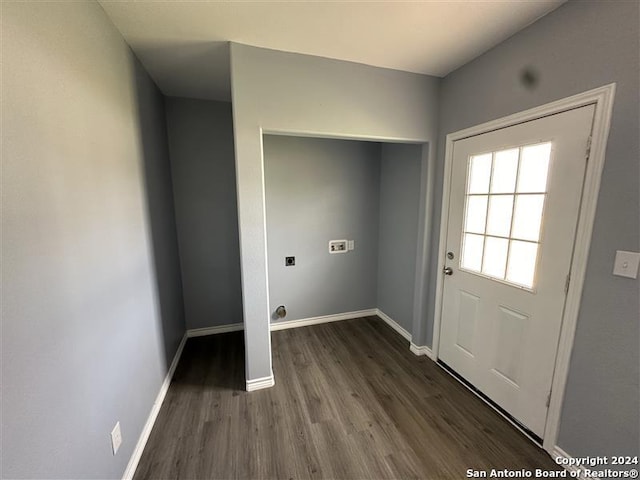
338 246
116 438
626 264
351 245
289 261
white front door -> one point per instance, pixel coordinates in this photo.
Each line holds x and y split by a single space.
513 209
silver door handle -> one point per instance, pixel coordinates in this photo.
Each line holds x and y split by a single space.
448 271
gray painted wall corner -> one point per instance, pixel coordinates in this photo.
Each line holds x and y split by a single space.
400 196
204 183
160 209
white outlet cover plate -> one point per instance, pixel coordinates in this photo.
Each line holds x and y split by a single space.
116 438
626 264
338 246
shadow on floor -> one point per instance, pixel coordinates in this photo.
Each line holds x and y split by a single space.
214 362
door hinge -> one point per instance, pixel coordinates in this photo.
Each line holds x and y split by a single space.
566 284
549 399
589 147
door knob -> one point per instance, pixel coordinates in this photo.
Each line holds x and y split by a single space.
448 271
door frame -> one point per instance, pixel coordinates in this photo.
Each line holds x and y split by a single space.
602 98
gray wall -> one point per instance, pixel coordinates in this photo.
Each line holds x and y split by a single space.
579 46
204 183
284 92
160 209
398 232
86 340
319 190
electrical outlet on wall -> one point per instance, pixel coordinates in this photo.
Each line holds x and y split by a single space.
116 438
338 246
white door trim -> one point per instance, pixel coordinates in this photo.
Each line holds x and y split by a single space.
602 98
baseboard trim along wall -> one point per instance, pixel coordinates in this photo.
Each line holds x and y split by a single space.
559 453
305 322
393 324
415 349
201 332
421 350
155 409
260 383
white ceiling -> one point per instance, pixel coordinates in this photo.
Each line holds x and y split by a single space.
184 46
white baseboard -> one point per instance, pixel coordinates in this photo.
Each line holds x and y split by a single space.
421 350
155 409
201 332
305 322
415 349
393 324
260 383
558 452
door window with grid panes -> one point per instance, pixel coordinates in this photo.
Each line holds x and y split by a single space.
504 205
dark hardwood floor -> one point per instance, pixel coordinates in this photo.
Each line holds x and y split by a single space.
350 402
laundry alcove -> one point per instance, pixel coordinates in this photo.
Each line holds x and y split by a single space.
323 189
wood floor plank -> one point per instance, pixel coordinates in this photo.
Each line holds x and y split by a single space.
350 402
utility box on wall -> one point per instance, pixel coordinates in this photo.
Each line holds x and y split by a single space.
338 246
